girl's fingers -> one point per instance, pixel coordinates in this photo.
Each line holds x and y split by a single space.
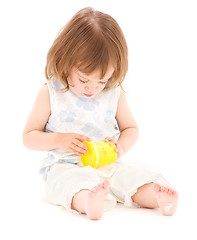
83 138
117 149
107 139
78 150
113 141
79 147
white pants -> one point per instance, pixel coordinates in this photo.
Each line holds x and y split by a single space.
64 180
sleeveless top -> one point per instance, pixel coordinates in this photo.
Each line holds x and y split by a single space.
72 112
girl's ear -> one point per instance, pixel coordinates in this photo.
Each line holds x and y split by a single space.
70 82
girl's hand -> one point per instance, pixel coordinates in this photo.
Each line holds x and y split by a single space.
118 148
73 142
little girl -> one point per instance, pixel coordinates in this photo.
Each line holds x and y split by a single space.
82 101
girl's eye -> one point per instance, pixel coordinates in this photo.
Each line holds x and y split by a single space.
103 83
82 81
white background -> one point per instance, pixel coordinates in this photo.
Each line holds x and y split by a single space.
161 91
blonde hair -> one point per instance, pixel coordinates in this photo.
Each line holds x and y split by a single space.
91 40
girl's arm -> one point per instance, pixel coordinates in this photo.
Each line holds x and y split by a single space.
34 136
127 125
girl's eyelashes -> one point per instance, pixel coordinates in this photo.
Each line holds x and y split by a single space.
103 83
82 81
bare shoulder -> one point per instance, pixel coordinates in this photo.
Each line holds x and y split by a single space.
42 102
122 102
43 97
40 112
124 116
122 95
44 92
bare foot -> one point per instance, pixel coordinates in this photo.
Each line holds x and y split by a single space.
95 200
167 199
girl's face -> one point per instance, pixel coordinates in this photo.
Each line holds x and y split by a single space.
89 85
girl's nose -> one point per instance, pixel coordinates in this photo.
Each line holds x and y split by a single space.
91 87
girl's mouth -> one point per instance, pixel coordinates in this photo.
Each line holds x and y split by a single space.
88 95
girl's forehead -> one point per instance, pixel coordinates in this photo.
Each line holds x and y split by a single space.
96 74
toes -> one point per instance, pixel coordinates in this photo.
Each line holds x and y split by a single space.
95 189
163 189
157 187
92 193
99 187
106 184
166 189
170 191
